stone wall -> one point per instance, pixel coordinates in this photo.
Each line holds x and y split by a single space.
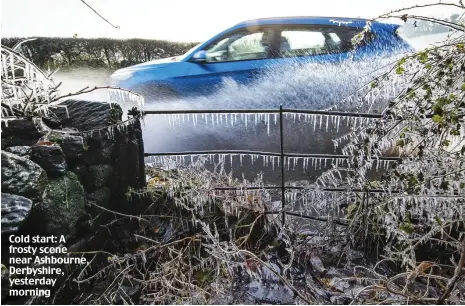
56 181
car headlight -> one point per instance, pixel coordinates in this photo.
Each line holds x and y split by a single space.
122 75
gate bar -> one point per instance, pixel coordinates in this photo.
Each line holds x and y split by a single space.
268 111
283 182
260 111
246 152
328 189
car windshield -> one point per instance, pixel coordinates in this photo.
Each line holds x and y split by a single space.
423 34
191 50
240 45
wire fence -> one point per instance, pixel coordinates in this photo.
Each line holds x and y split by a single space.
279 115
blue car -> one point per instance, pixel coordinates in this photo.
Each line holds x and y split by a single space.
249 49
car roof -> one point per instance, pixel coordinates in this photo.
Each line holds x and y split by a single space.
301 20
340 21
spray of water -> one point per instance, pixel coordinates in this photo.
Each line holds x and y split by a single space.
304 86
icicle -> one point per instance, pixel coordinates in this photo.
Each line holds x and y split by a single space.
174 120
211 119
268 123
386 164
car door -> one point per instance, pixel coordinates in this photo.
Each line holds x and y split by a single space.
242 56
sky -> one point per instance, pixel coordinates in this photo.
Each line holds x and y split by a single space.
174 20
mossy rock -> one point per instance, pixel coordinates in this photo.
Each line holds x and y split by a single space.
64 202
5 282
96 155
94 177
100 196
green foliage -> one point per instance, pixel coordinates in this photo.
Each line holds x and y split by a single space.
407 227
203 276
55 139
437 118
352 209
400 70
423 56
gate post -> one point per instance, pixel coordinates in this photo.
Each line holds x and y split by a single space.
283 186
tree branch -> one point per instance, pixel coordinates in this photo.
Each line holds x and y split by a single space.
116 27
453 280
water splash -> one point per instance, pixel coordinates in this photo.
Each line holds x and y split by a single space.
297 85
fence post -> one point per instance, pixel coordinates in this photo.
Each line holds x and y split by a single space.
283 186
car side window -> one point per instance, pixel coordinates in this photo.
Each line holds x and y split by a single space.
242 45
294 42
315 40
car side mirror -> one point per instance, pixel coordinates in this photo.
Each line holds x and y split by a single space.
200 56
